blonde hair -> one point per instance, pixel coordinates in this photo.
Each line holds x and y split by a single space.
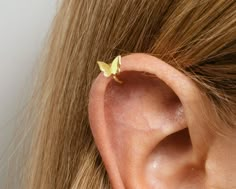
196 37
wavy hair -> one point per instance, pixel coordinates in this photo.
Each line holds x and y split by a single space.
197 37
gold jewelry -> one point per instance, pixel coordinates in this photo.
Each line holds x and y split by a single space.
111 69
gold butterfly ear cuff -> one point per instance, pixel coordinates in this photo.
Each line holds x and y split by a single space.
111 69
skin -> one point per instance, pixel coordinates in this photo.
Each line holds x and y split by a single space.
155 129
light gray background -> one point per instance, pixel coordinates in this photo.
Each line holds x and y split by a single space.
23 28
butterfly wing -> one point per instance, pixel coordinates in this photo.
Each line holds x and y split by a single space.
105 68
115 65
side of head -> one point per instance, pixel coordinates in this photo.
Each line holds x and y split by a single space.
171 124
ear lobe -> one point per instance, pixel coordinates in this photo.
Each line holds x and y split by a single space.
140 127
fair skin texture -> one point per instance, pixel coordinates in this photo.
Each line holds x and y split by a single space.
154 132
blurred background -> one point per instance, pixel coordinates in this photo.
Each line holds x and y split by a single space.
24 25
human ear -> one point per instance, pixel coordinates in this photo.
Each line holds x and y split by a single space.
149 129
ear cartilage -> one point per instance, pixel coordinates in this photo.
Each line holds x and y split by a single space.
111 69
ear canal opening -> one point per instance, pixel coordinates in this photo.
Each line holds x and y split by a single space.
179 140
172 159
174 147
